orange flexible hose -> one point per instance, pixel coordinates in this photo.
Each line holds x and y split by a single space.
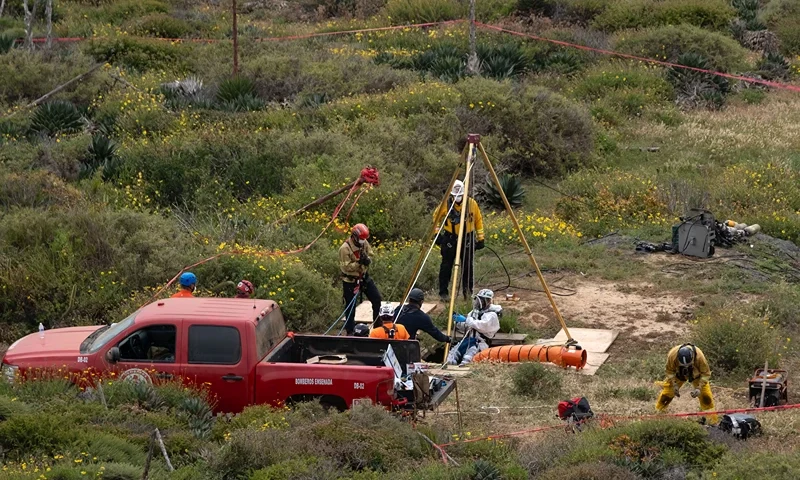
558 354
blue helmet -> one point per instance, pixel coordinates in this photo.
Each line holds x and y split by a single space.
188 279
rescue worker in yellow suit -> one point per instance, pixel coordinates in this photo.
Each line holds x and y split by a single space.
448 239
686 363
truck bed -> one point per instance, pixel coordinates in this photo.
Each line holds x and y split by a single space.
358 351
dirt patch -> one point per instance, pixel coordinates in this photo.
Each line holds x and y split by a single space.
635 310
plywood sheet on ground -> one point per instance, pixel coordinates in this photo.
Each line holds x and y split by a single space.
595 341
364 311
591 339
451 370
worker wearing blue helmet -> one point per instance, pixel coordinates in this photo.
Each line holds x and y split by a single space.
188 282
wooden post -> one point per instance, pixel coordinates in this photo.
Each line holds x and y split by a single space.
235 41
28 24
2 7
473 67
49 14
149 456
764 385
163 449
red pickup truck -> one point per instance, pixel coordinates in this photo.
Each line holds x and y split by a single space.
239 348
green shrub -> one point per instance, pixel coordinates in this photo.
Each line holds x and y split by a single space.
121 471
695 88
533 379
422 11
37 188
139 53
23 435
10 407
670 42
773 66
118 12
589 471
788 32
111 448
736 343
160 25
624 14
755 464
581 12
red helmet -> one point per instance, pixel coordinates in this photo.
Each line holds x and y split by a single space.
360 231
244 289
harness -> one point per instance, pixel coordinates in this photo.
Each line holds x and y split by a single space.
389 331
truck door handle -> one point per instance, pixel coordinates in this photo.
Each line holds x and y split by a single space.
164 376
232 378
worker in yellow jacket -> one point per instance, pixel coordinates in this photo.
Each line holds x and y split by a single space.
686 363
448 236
354 260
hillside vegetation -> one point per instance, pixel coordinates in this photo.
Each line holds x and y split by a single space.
161 157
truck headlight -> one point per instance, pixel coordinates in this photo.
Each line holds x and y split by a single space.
10 372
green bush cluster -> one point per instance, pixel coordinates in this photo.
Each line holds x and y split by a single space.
423 11
140 54
670 42
535 380
625 14
581 12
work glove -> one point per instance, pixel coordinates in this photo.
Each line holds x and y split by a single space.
458 318
364 260
695 393
479 245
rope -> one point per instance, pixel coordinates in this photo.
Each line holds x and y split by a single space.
767 83
343 315
430 249
282 253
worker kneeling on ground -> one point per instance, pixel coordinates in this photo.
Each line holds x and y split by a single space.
481 324
188 282
354 260
414 319
386 328
686 363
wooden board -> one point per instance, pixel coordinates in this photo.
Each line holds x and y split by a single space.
595 341
364 311
591 339
501 339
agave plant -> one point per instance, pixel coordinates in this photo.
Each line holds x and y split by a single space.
773 66
512 187
315 100
58 116
198 415
504 61
746 9
6 43
484 470
146 396
235 88
697 89
245 103
101 153
449 68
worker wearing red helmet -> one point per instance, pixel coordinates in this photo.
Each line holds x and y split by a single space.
354 260
245 289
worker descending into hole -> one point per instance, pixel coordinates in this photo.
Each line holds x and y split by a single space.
447 239
480 326
385 326
245 289
188 282
414 319
686 363
354 261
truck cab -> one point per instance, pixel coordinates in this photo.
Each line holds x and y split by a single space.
238 349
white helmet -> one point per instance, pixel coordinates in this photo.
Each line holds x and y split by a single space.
483 299
386 310
458 190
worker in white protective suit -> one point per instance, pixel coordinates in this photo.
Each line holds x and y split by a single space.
480 325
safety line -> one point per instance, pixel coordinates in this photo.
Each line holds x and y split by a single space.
629 417
257 39
768 83
334 216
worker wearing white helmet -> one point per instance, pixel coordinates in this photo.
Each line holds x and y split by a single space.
481 325
448 236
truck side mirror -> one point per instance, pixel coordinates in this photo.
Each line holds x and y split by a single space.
113 355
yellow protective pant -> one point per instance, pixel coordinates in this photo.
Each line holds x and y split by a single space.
706 399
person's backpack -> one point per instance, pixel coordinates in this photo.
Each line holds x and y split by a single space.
389 331
576 409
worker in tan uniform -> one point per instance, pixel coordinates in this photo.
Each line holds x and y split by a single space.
686 363
354 260
447 239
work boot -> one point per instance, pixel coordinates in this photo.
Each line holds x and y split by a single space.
471 352
452 357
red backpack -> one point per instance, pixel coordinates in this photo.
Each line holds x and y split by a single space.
577 409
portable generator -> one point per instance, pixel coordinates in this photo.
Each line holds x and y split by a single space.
696 234
776 391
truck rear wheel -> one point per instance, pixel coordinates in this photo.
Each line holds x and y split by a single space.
328 402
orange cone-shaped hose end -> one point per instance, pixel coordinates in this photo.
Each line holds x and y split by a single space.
560 355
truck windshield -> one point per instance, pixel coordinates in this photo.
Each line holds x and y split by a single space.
105 334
